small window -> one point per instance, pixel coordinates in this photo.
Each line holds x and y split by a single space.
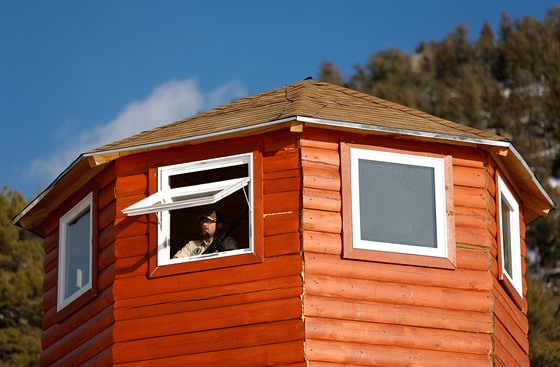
401 204
510 244
187 190
75 258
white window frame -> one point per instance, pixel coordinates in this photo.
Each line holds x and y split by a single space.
438 164
169 199
505 197
85 205
166 199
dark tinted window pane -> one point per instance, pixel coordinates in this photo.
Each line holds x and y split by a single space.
77 254
397 203
506 237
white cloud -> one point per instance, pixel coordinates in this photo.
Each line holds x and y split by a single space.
168 102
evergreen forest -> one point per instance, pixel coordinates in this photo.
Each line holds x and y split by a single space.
506 81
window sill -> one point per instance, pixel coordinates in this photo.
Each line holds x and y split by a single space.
202 265
399 258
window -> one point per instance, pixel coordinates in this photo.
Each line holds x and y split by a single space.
510 244
76 249
187 190
400 204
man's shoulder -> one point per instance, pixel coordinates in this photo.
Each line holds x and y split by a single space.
229 243
187 250
194 243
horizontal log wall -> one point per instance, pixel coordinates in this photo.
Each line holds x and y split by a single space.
355 312
371 313
246 315
511 346
83 336
511 327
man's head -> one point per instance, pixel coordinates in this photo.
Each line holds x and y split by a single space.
210 224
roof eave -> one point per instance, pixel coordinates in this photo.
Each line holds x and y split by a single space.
17 219
115 153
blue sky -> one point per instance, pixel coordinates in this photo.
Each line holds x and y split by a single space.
75 75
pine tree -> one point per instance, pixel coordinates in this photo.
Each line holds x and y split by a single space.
330 73
21 277
544 320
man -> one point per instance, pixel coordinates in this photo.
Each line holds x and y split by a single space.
210 224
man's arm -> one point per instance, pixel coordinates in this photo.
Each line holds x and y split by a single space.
186 251
229 243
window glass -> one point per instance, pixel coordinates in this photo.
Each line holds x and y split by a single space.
398 202
506 236
77 254
185 191
75 257
510 242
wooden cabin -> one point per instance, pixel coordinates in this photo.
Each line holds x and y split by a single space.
369 234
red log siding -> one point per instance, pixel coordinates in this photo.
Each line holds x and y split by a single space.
354 312
85 335
511 327
360 312
246 315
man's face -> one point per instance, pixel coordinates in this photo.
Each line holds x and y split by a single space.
208 228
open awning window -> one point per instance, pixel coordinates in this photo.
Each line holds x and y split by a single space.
186 197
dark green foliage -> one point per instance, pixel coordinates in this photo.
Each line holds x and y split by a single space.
544 321
21 287
330 73
508 85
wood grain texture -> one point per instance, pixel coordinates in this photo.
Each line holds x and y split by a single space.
388 355
397 293
321 178
469 177
516 327
281 202
199 320
321 221
79 324
325 158
281 354
399 314
507 348
201 299
473 259
397 335
320 199
88 349
282 244
321 264
274 267
322 242
189 344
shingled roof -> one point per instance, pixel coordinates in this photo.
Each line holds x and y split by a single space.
309 103
309 98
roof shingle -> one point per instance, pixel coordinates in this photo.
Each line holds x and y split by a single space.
307 98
